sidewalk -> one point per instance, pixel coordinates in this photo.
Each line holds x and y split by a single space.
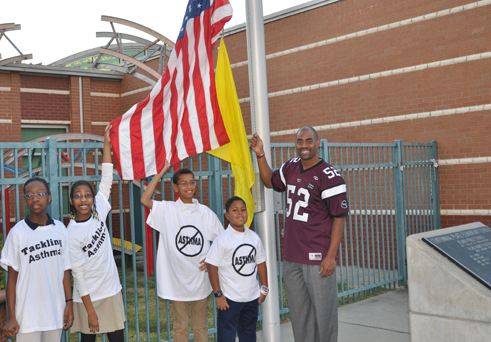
383 318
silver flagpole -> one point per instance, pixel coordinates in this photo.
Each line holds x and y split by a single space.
258 88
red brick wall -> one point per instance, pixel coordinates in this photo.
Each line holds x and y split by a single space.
45 106
43 82
131 83
40 106
56 107
75 125
463 187
343 17
88 106
452 221
10 107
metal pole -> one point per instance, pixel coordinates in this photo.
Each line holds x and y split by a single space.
399 194
258 87
23 56
53 179
437 219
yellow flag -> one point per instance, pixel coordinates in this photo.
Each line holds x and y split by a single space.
237 151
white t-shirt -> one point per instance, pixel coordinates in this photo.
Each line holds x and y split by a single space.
186 231
90 246
237 254
41 257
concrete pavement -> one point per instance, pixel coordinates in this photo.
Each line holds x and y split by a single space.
383 318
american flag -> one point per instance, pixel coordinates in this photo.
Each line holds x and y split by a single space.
180 117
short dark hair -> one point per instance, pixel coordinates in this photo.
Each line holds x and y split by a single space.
179 173
310 128
231 200
36 179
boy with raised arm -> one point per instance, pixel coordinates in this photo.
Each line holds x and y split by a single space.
186 230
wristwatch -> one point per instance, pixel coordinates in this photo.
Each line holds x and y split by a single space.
218 294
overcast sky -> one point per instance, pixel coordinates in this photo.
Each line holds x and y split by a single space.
53 29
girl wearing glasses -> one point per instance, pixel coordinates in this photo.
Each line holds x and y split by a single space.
37 259
98 304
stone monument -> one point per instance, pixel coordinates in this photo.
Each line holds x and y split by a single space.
449 273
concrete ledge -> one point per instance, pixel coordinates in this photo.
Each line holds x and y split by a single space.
440 329
445 303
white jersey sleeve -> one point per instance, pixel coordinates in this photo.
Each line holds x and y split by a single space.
67 259
11 252
156 218
102 205
279 178
76 253
102 198
216 255
107 180
79 281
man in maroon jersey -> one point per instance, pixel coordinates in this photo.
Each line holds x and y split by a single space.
316 207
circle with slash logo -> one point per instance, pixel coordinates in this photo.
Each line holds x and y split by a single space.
189 241
244 260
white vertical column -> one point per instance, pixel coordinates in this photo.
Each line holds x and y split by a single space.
81 103
258 87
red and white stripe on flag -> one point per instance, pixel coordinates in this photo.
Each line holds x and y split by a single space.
180 117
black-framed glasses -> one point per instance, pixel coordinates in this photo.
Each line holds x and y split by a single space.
185 184
78 196
38 195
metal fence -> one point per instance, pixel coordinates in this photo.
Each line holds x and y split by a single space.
392 188
393 192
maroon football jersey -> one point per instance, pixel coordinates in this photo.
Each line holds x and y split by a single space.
313 197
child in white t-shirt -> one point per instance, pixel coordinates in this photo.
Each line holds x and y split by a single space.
234 259
98 303
37 259
186 230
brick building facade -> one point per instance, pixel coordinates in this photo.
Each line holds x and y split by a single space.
377 71
32 95
359 71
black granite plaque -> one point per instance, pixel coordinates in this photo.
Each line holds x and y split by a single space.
470 249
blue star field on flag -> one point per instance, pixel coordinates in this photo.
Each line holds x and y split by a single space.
193 10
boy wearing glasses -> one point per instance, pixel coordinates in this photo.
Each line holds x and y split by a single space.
186 230
37 259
